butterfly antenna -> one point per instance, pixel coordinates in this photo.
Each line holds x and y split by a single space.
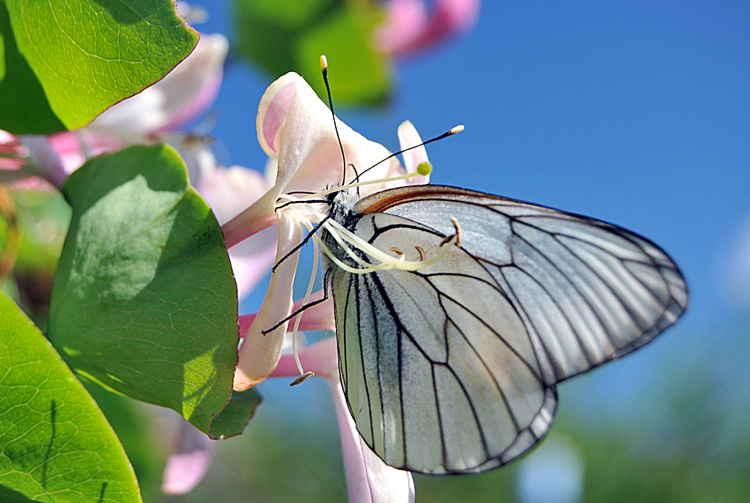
451 131
324 70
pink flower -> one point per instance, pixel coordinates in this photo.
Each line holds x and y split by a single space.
368 478
409 29
296 129
228 191
181 96
190 459
12 152
15 164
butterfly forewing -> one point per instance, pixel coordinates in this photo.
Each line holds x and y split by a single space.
451 368
587 291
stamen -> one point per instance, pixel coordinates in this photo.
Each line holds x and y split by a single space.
456 234
310 284
304 377
423 169
401 254
347 240
453 130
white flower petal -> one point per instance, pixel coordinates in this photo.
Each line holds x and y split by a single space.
296 128
408 137
260 353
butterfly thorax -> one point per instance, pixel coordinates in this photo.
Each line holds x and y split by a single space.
342 211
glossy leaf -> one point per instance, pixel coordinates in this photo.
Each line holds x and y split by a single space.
144 301
66 63
235 417
55 444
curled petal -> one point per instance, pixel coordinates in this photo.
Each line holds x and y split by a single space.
408 137
296 128
368 478
189 462
272 113
260 352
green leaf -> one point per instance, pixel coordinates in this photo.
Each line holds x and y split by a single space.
235 417
25 107
65 63
289 35
55 444
144 300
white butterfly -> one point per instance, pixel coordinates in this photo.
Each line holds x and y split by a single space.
464 310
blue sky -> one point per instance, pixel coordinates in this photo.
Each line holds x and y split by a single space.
637 113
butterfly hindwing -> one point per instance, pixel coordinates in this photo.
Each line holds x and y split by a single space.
433 387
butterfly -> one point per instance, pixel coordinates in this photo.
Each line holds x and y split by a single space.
450 356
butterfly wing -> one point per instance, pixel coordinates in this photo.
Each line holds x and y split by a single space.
452 368
437 380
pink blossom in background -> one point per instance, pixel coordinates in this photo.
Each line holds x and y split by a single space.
146 118
409 28
190 460
181 96
228 191
12 152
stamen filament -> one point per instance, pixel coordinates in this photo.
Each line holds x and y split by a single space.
387 262
305 300
419 172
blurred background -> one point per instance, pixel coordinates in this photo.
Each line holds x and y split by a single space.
637 113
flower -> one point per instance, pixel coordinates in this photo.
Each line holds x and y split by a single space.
368 478
297 130
227 191
408 29
190 459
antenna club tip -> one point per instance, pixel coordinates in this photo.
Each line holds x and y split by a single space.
457 129
323 62
424 168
